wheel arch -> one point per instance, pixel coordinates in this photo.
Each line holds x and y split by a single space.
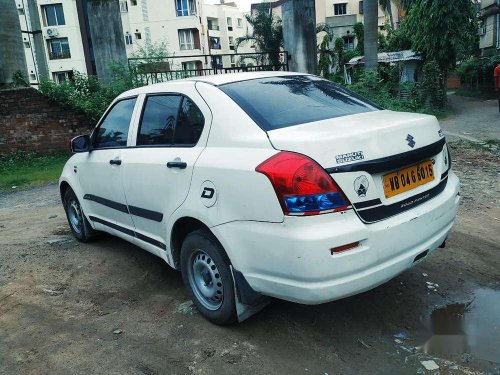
63 188
182 227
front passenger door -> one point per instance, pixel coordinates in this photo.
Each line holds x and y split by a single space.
101 174
171 135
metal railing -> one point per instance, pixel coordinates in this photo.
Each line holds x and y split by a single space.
59 55
153 70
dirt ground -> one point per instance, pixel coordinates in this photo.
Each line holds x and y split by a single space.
111 308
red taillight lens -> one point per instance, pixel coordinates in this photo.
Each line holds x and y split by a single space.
303 187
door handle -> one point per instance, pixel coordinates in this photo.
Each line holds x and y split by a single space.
115 162
177 164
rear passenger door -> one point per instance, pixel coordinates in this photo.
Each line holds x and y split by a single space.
171 134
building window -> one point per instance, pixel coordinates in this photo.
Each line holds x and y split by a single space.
231 43
128 39
213 24
189 39
133 2
60 77
27 44
138 35
54 15
214 42
229 24
185 8
340 9
59 49
360 7
349 42
232 59
240 22
123 7
32 77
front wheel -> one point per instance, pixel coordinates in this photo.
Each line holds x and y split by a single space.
80 227
207 277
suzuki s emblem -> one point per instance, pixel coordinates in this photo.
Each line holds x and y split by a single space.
410 140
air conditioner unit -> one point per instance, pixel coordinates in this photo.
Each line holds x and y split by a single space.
50 33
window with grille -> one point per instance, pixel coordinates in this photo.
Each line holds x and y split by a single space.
59 49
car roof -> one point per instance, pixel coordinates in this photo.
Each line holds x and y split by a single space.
216 80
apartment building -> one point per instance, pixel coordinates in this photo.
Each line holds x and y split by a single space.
489 29
340 16
189 28
68 30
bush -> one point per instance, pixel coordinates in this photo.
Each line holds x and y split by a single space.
84 93
382 87
477 73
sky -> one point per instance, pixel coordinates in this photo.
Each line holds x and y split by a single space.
243 5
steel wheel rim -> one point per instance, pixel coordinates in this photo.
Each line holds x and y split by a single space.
75 216
205 280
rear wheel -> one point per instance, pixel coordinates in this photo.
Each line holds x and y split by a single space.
80 227
207 277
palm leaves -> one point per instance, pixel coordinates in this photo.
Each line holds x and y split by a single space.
267 33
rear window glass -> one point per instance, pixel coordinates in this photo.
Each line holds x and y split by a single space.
279 102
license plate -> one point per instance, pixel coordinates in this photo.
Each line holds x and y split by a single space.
408 178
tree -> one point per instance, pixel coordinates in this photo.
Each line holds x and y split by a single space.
267 33
443 31
387 8
325 57
359 32
370 11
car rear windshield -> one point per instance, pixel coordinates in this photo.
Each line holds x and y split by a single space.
279 102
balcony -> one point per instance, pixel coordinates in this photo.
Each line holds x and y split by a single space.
59 55
342 21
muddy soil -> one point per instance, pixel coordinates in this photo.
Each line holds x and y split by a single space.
111 308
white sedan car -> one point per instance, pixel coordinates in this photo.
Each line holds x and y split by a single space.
264 184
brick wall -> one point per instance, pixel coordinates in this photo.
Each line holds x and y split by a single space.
28 121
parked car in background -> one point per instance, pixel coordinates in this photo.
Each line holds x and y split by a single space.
264 184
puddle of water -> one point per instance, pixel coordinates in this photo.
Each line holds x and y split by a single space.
472 327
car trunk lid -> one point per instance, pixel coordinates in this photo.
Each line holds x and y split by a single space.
358 150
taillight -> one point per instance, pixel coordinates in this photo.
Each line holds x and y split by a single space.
303 187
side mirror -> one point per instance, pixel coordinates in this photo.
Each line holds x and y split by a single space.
80 144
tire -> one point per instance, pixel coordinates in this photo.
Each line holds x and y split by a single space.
78 223
207 277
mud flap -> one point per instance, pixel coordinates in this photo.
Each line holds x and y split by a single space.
248 301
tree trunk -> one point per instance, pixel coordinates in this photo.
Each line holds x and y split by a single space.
389 10
370 10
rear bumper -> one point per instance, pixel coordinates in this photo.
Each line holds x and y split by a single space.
292 260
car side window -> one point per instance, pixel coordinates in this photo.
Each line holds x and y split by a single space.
158 120
189 124
113 130
170 120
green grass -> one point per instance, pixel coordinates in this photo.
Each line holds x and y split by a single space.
23 169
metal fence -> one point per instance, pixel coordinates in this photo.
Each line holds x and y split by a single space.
160 69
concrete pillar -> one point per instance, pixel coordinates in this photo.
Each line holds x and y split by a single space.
12 56
299 34
106 34
37 39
